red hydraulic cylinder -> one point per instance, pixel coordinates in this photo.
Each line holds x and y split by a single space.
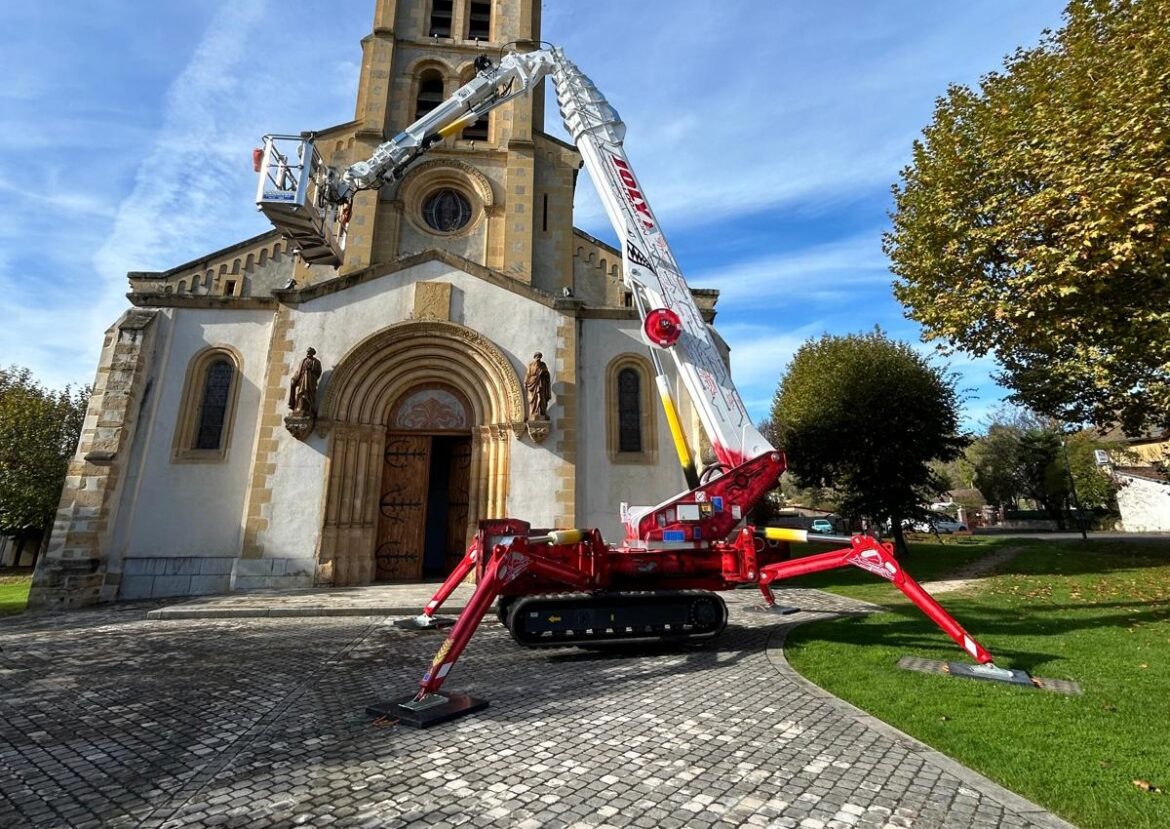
506 565
448 586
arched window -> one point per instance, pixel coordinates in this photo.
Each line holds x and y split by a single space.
203 432
217 385
631 416
479 20
441 15
629 410
430 92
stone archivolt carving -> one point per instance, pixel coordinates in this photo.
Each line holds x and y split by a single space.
431 409
538 430
422 175
429 177
423 352
299 426
407 370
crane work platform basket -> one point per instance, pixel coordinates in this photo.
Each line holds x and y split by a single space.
294 194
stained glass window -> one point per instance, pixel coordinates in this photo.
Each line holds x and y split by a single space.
217 384
629 384
447 211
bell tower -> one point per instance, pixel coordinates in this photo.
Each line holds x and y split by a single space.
475 194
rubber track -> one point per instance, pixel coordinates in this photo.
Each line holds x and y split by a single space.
563 604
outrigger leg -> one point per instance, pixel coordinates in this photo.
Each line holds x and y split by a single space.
428 707
870 554
427 619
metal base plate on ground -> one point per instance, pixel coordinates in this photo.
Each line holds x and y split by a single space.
1010 677
774 610
437 623
438 708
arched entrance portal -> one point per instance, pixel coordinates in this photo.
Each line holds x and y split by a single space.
423 509
385 404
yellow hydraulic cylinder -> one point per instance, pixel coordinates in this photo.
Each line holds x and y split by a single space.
785 534
676 432
559 537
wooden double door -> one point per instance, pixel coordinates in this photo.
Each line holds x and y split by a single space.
423 508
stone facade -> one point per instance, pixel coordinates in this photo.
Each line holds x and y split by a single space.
72 571
189 480
1138 468
1143 499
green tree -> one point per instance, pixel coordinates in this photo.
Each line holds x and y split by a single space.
39 430
1095 489
1043 472
1034 219
1024 455
996 458
866 415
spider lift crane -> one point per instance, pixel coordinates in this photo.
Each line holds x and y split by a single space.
568 586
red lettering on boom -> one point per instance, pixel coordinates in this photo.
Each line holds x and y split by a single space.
633 194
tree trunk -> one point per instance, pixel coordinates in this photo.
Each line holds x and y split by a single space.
1055 512
900 547
42 545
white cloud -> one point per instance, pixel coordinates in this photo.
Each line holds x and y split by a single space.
739 106
193 190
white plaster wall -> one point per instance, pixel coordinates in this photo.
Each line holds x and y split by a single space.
196 509
1144 505
602 485
298 494
336 323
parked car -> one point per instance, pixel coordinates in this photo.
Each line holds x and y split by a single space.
946 526
942 525
822 525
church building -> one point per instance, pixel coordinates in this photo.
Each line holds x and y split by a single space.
219 454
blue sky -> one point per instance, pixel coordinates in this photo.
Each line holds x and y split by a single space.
766 135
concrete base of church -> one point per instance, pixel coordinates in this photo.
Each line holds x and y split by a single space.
169 576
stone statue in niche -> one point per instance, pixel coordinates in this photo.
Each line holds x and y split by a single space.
302 396
538 383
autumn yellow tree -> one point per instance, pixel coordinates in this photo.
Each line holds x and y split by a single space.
1034 220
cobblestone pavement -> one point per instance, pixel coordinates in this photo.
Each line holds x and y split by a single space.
112 719
370 600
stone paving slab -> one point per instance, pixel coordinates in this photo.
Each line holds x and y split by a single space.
113 719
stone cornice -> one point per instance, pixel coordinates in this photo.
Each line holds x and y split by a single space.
298 296
222 303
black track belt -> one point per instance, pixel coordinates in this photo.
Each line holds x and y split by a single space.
566 619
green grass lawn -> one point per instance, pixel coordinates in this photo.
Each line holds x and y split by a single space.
13 594
1097 613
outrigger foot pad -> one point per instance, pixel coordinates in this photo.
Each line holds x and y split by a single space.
989 672
1012 676
430 710
774 610
423 622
